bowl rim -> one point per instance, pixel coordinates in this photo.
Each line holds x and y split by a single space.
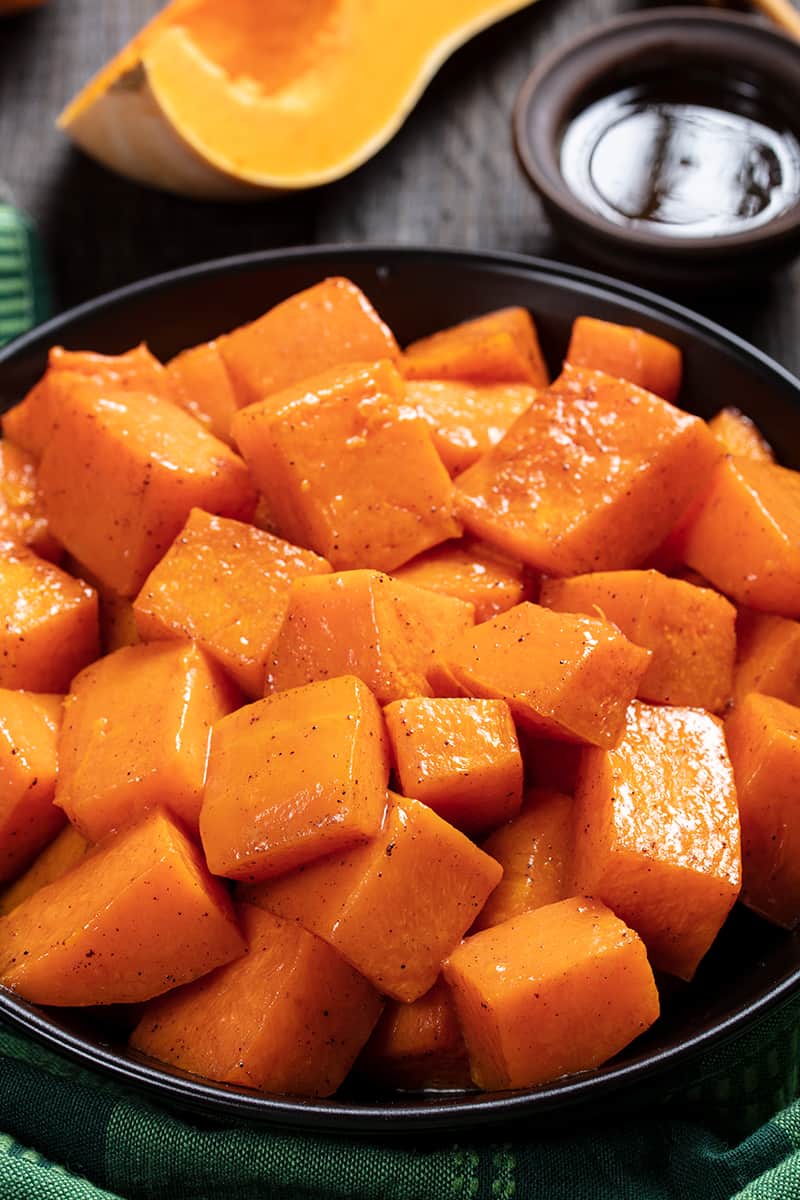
436 1112
673 29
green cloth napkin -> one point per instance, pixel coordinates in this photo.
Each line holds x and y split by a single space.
24 291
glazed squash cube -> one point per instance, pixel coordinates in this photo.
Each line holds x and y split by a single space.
737 434
66 850
657 832
199 383
367 624
563 675
120 475
50 628
745 538
499 347
327 325
29 726
137 916
690 630
418 1045
394 908
591 478
628 353
343 473
226 586
292 777
22 515
135 735
290 1015
535 851
466 419
470 571
763 735
557 990
459 756
767 656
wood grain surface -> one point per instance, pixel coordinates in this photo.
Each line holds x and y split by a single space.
448 178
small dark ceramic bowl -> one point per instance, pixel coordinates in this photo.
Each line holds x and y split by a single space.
753 968
725 60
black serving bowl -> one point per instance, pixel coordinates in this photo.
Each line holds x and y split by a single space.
753 967
726 60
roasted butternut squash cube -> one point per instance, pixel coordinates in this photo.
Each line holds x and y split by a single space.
327 325
29 726
121 473
499 347
137 916
767 656
737 434
465 419
367 624
534 849
628 353
563 675
418 1045
22 515
591 478
198 382
690 630
470 571
66 850
460 757
745 538
657 832
557 990
395 907
290 1015
295 776
344 473
115 612
50 629
226 586
135 735
763 735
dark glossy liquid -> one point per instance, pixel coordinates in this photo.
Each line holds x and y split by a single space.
680 162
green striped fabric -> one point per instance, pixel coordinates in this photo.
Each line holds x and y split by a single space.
24 294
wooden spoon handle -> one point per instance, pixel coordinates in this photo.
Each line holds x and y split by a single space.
783 13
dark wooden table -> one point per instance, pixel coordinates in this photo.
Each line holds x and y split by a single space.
448 178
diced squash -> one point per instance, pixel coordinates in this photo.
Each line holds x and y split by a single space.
690 630
115 612
628 353
418 1045
466 419
199 383
366 624
135 735
22 515
290 1015
49 631
557 990
293 777
344 473
763 735
746 536
65 851
473 572
739 435
31 422
767 656
121 473
563 675
224 585
395 907
591 478
137 916
326 325
29 726
657 832
499 347
460 757
535 851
